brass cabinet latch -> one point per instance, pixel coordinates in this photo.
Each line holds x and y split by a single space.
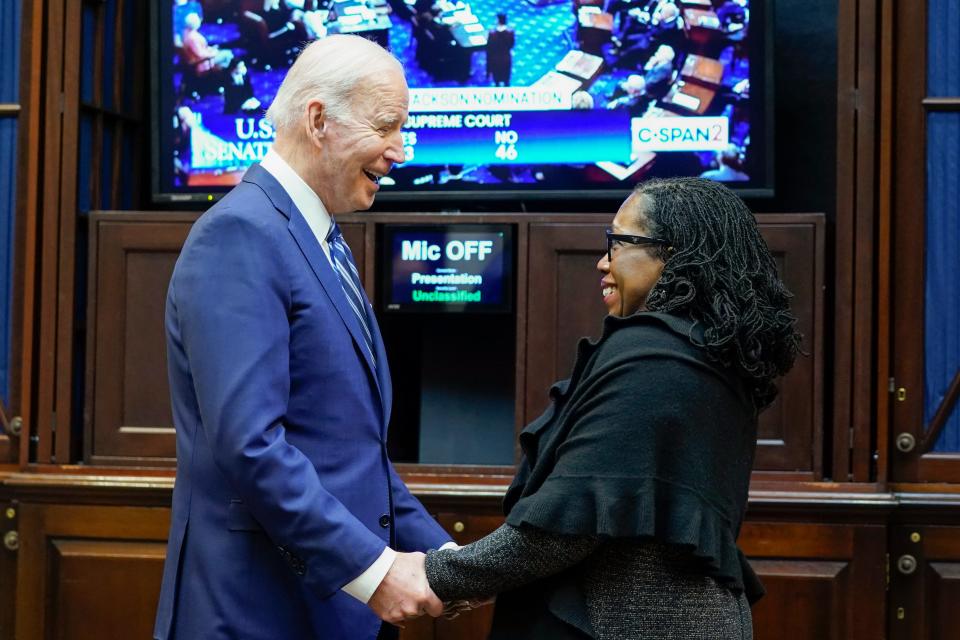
11 540
906 442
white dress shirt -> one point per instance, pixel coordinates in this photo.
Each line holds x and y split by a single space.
305 198
309 204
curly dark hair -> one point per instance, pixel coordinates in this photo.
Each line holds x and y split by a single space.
719 272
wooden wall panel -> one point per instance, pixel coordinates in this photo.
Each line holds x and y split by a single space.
8 566
943 588
129 420
93 571
98 587
132 257
790 430
805 599
924 601
89 572
823 581
563 303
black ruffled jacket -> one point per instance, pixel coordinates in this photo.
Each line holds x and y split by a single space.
648 438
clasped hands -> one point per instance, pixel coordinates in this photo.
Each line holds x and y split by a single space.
405 594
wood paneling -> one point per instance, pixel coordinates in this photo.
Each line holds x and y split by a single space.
100 586
8 566
129 420
563 303
924 602
132 258
907 302
806 599
89 572
824 568
823 581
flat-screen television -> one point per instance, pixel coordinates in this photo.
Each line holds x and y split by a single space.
523 98
447 268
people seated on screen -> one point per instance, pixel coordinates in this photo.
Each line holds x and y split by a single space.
181 9
436 48
638 90
183 123
273 25
500 52
581 100
644 30
729 166
733 15
199 56
238 90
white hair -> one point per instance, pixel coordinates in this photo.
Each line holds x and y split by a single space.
329 70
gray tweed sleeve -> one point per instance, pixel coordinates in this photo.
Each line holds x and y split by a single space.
505 559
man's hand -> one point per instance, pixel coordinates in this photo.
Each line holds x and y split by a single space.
404 592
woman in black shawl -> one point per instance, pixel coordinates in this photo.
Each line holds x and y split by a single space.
623 518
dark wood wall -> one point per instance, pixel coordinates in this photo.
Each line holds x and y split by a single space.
853 537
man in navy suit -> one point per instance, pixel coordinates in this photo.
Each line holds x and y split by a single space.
288 518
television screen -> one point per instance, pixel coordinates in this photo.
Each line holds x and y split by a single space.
447 268
544 96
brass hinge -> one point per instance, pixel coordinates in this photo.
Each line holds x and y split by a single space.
899 392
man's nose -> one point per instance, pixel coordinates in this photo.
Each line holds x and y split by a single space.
394 152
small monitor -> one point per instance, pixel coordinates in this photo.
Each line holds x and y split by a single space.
453 268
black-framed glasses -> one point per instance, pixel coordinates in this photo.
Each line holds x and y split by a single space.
616 240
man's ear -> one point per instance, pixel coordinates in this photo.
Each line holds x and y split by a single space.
315 122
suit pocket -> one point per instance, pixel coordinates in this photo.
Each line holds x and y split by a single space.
239 518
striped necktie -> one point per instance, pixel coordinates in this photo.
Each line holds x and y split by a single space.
346 270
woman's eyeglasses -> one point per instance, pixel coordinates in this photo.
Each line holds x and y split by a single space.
615 241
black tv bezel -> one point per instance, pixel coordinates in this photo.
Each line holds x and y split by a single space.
385 275
763 48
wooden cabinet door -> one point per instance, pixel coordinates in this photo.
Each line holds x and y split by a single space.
128 416
564 304
924 582
89 572
921 354
823 581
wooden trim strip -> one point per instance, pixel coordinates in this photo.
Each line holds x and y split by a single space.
9 109
28 215
844 243
864 247
943 413
941 104
885 181
50 222
63 441
4 421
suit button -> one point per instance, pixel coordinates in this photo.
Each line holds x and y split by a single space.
384 521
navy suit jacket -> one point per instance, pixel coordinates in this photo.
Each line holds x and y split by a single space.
284 492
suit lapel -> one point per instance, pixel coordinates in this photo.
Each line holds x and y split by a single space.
324 272
383 370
